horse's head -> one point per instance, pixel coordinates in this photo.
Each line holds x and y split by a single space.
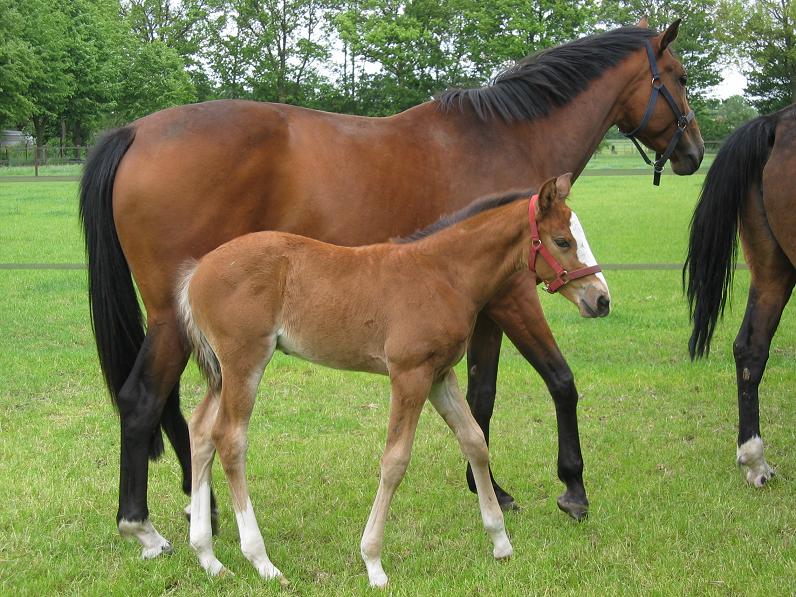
656 107
560 252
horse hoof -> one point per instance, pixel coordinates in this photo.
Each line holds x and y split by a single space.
757 479
578 510
508 505
164 548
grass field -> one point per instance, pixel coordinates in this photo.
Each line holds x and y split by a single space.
670 513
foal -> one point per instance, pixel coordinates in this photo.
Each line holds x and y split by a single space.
404 310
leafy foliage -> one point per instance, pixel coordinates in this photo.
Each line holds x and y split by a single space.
73 67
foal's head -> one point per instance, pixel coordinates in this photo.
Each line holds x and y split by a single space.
562 235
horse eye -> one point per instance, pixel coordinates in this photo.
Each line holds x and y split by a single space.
684 80
562 242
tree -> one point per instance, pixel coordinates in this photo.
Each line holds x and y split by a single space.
699 44
154 78
719 118
94 37
764 35
43 28
15 67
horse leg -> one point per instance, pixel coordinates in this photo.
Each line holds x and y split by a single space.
447 400
483 354
764 308
518 311
141 401
202 452
409 392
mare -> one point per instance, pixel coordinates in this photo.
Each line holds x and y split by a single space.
747 190
178 183
403 310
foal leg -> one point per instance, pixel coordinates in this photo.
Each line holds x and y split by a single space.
483 354
202 452
239 390
409 392
447 399
764 308
518 311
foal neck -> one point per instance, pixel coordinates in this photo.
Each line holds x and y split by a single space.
481 253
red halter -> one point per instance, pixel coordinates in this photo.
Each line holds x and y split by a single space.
537 248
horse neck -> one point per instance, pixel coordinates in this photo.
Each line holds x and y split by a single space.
525 153
481 253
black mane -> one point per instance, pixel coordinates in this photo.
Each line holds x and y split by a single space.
475 208
549 78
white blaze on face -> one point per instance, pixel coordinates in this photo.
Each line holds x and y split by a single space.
585 256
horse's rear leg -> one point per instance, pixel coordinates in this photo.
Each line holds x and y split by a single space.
151 384
409 392
767 299
483 355
447 399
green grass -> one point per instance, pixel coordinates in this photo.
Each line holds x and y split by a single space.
670 512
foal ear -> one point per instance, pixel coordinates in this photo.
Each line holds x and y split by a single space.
643 23
669 36
549 194
563 185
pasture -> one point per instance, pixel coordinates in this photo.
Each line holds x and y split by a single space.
670 513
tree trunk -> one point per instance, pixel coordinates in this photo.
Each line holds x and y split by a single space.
38 127
78 139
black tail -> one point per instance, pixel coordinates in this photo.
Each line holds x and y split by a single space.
115 313
713 243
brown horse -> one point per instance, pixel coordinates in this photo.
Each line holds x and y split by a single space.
748 186
403 310
179 183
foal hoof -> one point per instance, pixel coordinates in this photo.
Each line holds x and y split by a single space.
213 519
577 509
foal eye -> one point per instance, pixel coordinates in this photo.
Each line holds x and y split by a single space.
561 242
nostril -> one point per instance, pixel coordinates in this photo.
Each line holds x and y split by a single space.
603 302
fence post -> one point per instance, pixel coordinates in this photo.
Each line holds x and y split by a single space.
35 160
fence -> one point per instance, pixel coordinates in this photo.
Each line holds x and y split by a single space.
26 155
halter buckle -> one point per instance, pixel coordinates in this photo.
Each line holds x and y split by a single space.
656 82
536 243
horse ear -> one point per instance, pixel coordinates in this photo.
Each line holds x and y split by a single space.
669 35
643 23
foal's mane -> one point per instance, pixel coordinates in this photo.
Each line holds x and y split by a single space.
548 78
476 207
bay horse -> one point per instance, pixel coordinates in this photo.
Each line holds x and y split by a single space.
178 183
406 310
748 189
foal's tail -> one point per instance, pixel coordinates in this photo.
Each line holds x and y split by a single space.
205 356
713 244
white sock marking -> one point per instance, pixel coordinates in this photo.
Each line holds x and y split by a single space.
252 544
585 256
153 544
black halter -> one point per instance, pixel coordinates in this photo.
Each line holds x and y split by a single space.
682 120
